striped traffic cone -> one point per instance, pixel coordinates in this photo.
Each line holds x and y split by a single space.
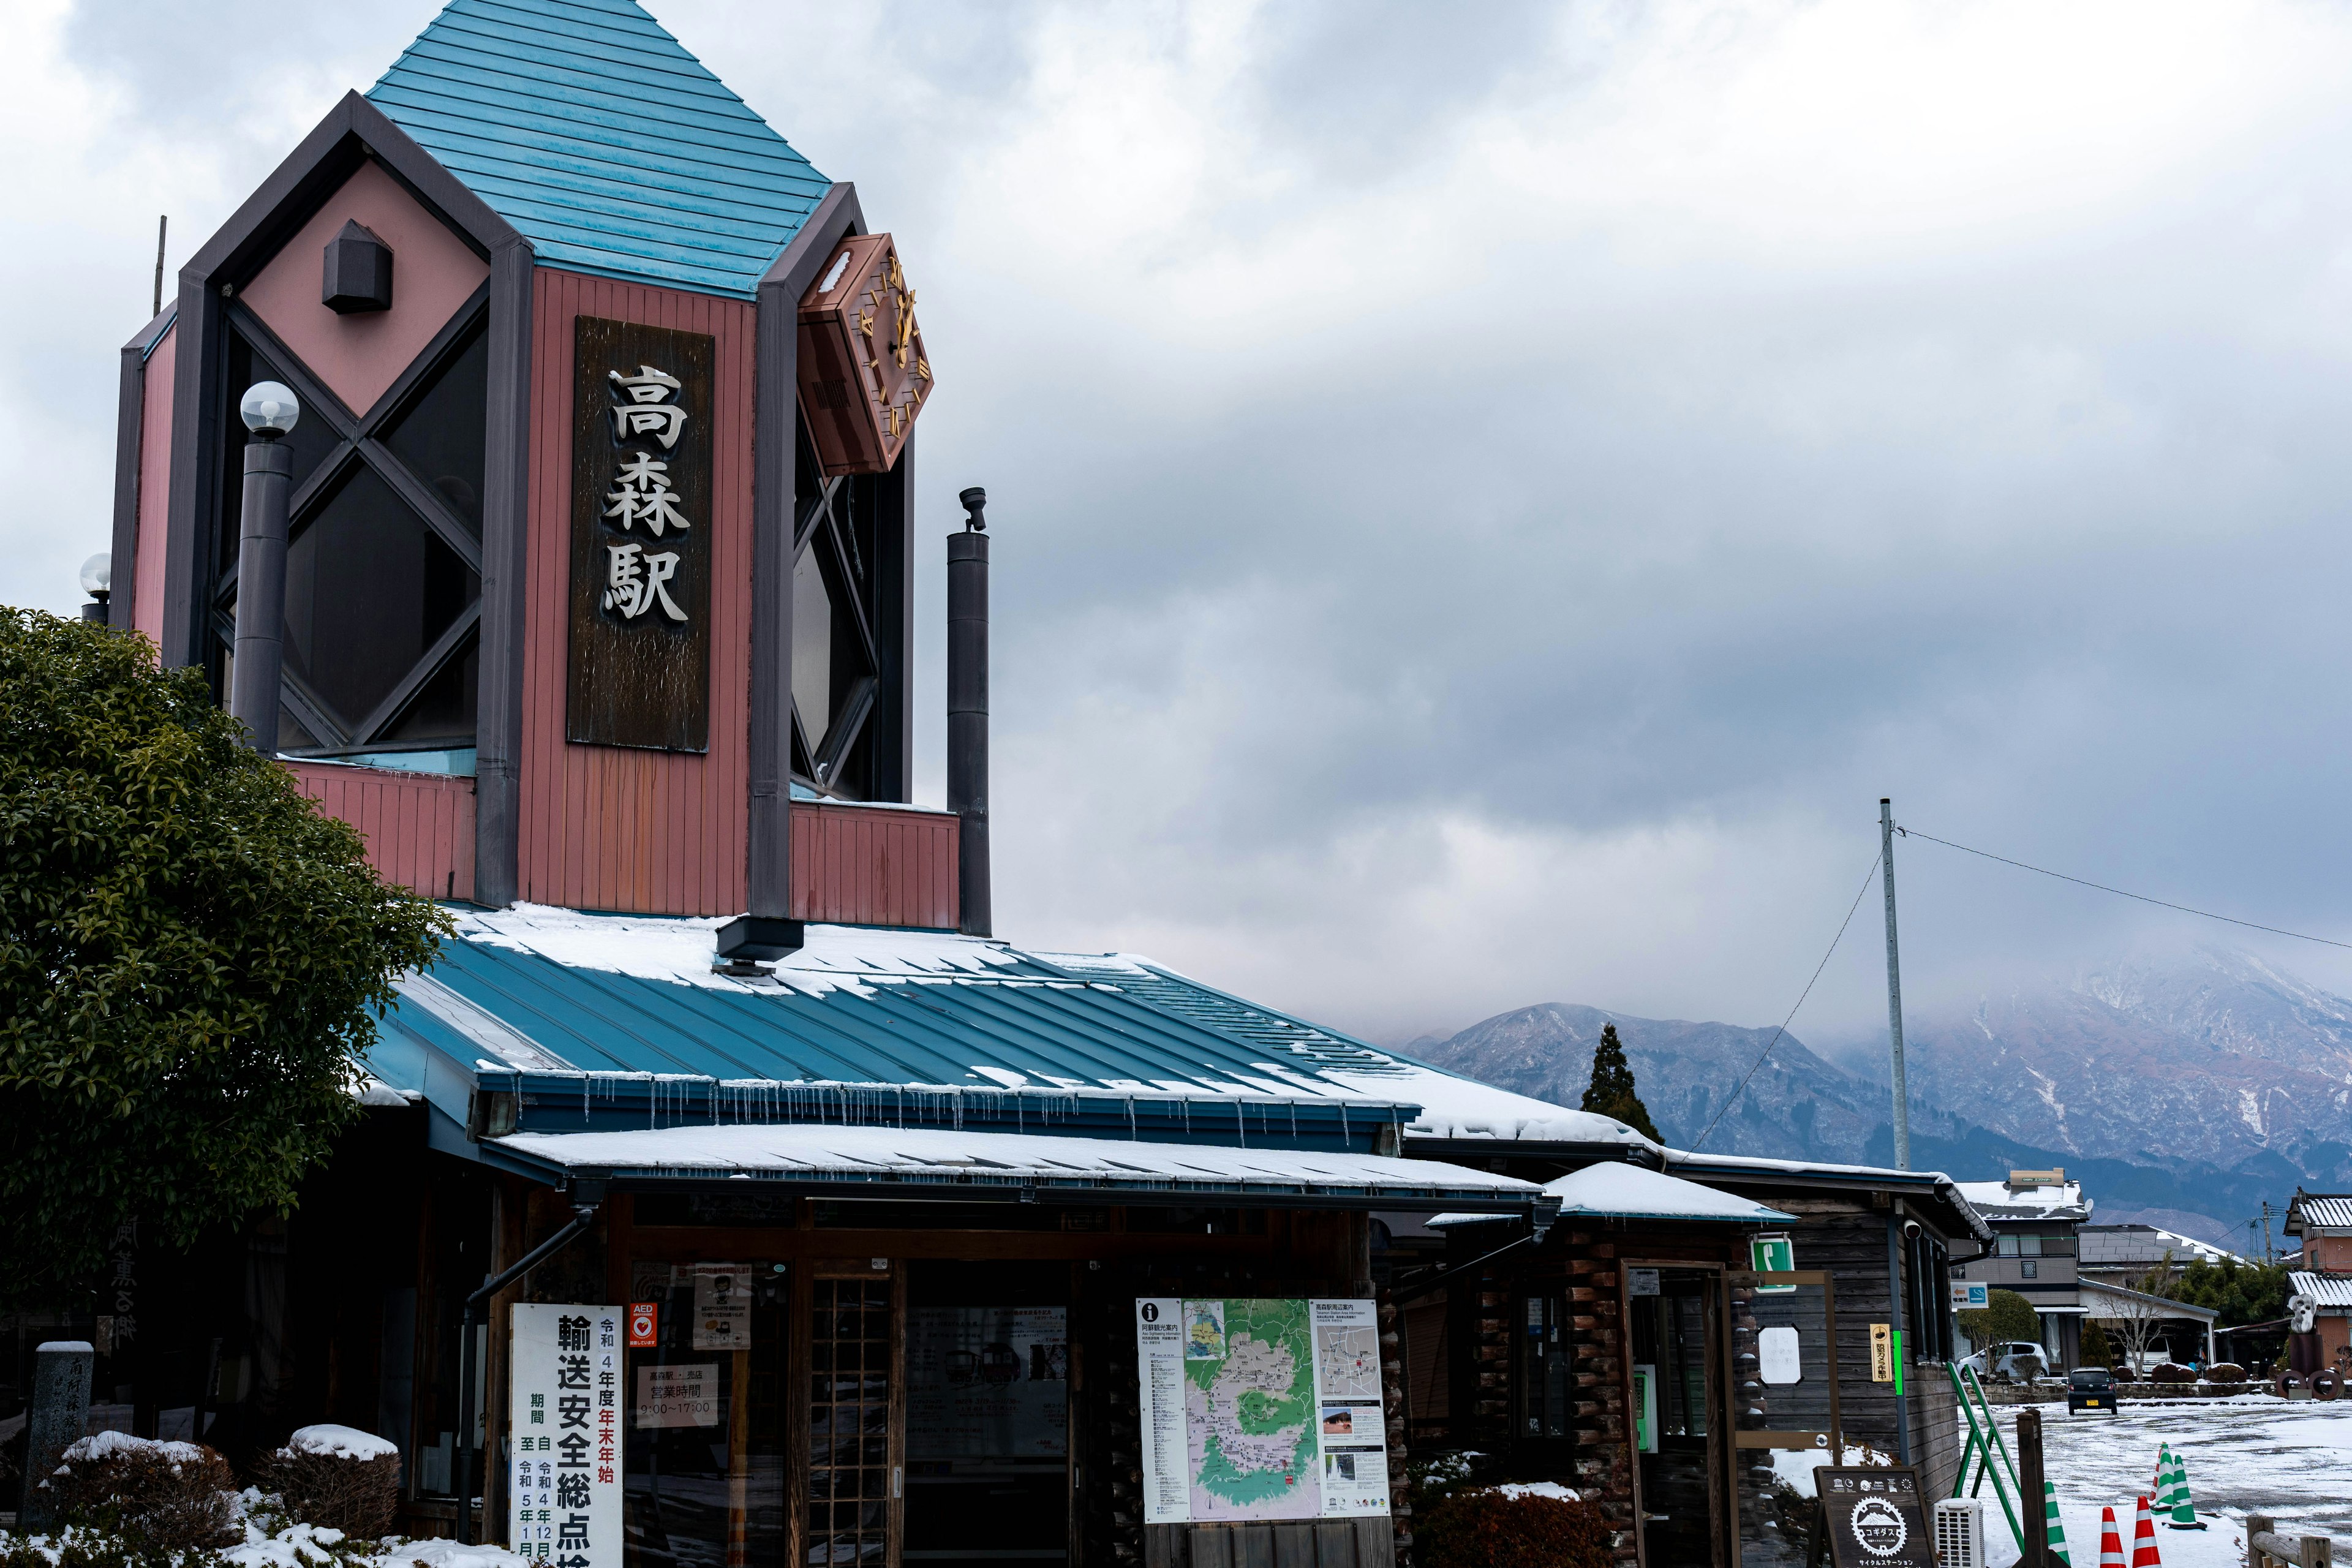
2163 1463
2111 1540
2144 1552
2057 1531
2184 1514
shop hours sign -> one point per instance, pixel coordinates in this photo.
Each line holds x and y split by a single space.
564 1499
641 536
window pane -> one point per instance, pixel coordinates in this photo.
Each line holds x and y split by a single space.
811 646
444 711
368 588
442 435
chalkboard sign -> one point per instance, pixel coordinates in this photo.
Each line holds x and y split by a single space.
1868 1518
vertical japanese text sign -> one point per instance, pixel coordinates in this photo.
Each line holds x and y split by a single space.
642 506
565 1503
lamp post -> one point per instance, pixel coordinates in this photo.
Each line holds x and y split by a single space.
98 582
269 411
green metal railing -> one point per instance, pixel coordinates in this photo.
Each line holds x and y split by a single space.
1986 1449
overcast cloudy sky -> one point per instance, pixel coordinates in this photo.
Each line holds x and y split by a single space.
1489 497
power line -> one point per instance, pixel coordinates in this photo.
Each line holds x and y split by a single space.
2102 886
1733 1099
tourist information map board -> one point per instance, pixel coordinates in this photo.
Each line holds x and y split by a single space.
1258 1409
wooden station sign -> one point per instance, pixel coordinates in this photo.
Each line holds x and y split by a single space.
641 526
864 374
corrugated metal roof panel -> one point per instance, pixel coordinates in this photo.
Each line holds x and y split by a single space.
603 141
2327 1289
2329 1211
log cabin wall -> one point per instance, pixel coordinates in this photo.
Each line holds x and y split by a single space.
1846 1234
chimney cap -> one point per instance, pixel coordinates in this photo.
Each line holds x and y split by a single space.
975 502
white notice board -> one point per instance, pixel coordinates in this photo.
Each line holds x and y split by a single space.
564 1505
1260 1409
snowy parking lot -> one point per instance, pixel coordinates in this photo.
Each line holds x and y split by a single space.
2254 1454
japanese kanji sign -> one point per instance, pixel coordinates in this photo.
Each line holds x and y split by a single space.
563 1493
641 536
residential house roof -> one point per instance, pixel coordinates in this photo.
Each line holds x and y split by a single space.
2142 1246
2001 1203
2321 1211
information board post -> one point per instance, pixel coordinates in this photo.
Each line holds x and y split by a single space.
1868 1515
564 1503
1260 1409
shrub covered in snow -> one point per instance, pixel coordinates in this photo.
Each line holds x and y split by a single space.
1490 1529
336 1477
173 1495
2172 1373
2225 1372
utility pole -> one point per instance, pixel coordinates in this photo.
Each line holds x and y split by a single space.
2269 1255
1893 987
163 227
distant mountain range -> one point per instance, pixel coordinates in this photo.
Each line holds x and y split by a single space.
2184 1090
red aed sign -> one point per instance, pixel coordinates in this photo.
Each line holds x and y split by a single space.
644 1325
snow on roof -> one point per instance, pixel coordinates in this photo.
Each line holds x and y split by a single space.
2104 1245
656 947
1999 1200
931 1157
1618 1190
2167 1304
1463 1108
2326 1211
1733 1167
2329 1291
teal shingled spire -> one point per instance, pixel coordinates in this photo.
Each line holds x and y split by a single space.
607 146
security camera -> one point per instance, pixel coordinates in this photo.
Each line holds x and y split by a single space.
1910 1229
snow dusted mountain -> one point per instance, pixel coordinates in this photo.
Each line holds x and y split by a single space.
1796 1104
2191 1084
2215 1057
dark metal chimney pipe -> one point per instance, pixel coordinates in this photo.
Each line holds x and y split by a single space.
261 589
968 711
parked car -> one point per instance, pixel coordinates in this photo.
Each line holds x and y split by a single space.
2014 1360
2091 1388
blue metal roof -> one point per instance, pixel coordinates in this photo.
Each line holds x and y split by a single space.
601 1022
590 128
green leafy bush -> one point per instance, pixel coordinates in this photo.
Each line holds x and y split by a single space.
2004 1317
1489 1529
190 956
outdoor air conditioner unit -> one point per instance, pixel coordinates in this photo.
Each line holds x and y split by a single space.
1959 1534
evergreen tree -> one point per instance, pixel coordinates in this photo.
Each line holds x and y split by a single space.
191 959
2097 1352
1611 1093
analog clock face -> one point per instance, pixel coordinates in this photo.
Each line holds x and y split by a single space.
897 372
865 373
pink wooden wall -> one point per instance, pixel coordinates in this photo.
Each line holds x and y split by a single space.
605 828
360 356
154 487
869 865
419 826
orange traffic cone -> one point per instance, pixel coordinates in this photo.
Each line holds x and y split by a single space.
2111 1540
2144 1553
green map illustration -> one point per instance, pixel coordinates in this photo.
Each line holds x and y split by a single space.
1249 1406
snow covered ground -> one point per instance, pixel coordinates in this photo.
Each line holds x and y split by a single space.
2254 1454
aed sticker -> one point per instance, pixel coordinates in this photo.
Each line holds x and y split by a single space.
644 1325
1878 1526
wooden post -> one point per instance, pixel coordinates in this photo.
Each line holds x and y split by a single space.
2257 1525
2030 1514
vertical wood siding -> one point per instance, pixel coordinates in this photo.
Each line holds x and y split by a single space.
419 826
856 864
605 827
154 488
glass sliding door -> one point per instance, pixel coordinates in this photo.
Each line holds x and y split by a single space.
704 1463
856 1476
